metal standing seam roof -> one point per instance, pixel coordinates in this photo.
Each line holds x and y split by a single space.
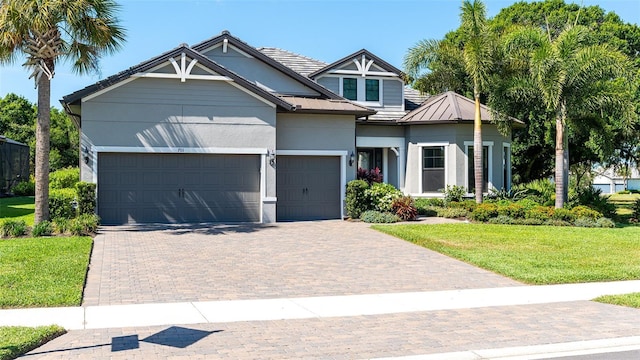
327 106
446 108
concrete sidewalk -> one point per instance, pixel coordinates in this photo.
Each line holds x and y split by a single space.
226 311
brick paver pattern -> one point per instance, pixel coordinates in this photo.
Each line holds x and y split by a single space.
359 337
273 261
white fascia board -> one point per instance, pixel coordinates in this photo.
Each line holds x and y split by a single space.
228 46
233 83
179 150
313 152
107 89
380 141
187 77
368 73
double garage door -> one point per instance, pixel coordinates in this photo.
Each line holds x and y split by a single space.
177 188
183 188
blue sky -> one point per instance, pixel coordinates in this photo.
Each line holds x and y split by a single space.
326 30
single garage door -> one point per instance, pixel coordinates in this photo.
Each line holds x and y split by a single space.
177 188
308 188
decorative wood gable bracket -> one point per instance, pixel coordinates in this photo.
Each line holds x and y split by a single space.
183 71
363 69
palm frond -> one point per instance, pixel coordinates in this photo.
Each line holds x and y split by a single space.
420 56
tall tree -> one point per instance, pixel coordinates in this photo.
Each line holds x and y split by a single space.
474 53
45 32
575 80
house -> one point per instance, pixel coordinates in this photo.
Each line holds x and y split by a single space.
222 131
14 164
610 181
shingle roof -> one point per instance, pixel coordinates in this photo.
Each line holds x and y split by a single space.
446 108
299 63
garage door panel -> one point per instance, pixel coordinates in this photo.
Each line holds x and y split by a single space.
308 188
147 189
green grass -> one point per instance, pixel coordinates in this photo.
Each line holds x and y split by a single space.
623 203
534 254
18 208
631 300
48 271
15 341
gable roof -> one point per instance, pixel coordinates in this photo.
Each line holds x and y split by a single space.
448 107
378 61
225 35
301 64
151 63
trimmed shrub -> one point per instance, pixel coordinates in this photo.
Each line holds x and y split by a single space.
404 208
604 222
429 211
585 222
636 210
557 222
356 199
468 205
539 212
582 211
85 224
526 221
528 204
61 225
377 217
382 196
563 215
512 210
484 212
61 203
24 188
86 197
425 202
13 228
593 198
64 178
452 213
501 219
454 193
43 228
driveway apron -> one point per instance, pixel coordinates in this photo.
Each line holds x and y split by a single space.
143 264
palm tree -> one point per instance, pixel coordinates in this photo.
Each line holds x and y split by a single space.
575 80
476 54
45 32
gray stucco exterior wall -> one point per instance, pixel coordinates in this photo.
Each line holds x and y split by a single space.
331 83
257 71
166 115
392 93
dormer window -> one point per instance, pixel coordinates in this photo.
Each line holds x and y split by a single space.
350 88
372 90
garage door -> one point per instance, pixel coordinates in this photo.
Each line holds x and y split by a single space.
176 188
308 188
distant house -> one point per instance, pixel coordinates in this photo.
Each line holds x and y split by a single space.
14 164
610 182
223 131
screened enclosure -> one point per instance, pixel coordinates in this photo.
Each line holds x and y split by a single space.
14 164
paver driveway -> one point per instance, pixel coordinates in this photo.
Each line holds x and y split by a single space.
225 262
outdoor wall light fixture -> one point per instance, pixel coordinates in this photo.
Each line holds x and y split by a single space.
352 159
271 154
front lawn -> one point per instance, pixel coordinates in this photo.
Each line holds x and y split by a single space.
631 300
42 272
18 208
16 340
534 254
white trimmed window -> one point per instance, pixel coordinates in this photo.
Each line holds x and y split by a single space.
365 90
487 164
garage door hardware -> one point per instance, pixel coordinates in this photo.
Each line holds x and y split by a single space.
305 190
181 193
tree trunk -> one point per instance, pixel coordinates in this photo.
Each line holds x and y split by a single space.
42 148
477 149
560 156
